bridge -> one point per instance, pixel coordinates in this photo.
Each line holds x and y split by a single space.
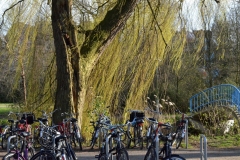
226 95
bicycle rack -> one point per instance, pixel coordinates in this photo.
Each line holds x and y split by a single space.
9 140
203 147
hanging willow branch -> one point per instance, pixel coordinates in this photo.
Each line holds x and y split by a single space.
6 11
157 23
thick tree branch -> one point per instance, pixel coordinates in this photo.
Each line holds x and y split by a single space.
106 30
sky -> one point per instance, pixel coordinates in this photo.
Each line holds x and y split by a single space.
3 6
189 8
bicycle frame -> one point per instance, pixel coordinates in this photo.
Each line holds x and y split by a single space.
115 134
23 152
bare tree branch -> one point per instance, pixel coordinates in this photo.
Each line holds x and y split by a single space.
6 11
157 23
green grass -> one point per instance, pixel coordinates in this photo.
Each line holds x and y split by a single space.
5 108
225 141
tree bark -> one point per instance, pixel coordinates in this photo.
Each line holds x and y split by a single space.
71 89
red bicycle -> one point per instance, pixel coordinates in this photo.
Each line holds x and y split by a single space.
70 128
181 130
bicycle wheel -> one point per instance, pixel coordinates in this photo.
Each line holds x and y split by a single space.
174 157
36 135
148 142
151 154
122 154
13 156
70 152
135 135
178 139
102 157
94 138
178 142
78 137
140 136
4 141
43 155
31 152
128 139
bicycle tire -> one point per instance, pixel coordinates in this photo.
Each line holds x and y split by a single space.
36 141
128 139
44 155
122 154
71 153
178 142
79 141
148 142
135 135
13 156
31 152
4 141
140 137
174 157
94 138
78 136
151 154
102 157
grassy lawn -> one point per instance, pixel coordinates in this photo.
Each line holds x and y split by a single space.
214 142
5 108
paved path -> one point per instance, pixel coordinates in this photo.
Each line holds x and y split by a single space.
189 154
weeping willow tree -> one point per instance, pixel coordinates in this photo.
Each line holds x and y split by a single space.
112 52
30 71
127 67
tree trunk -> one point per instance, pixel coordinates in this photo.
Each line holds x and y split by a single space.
71 89
67 59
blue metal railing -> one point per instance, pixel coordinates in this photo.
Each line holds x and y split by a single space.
221 95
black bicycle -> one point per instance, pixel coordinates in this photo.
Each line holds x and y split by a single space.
22 149
166 152
97 125
54 145
108 148
135 122
181 129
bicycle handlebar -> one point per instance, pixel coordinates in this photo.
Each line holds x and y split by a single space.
151 110
184 115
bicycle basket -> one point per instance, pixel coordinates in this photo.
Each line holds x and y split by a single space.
29 117
47 138
136 114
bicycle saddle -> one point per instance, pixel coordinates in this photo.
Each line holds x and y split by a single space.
43 120
73 120
25 134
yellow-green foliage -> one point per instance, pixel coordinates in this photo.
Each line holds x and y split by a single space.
30 52
126 69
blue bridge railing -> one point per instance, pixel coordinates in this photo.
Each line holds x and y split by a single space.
221 95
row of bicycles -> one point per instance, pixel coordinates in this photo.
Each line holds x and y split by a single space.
20 138
115 139
57 141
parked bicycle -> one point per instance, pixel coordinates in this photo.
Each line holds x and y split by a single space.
113 137
166 152
23 148
55 145
153 121
45 118
135 122
71 130
181 129
15 124
97 125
